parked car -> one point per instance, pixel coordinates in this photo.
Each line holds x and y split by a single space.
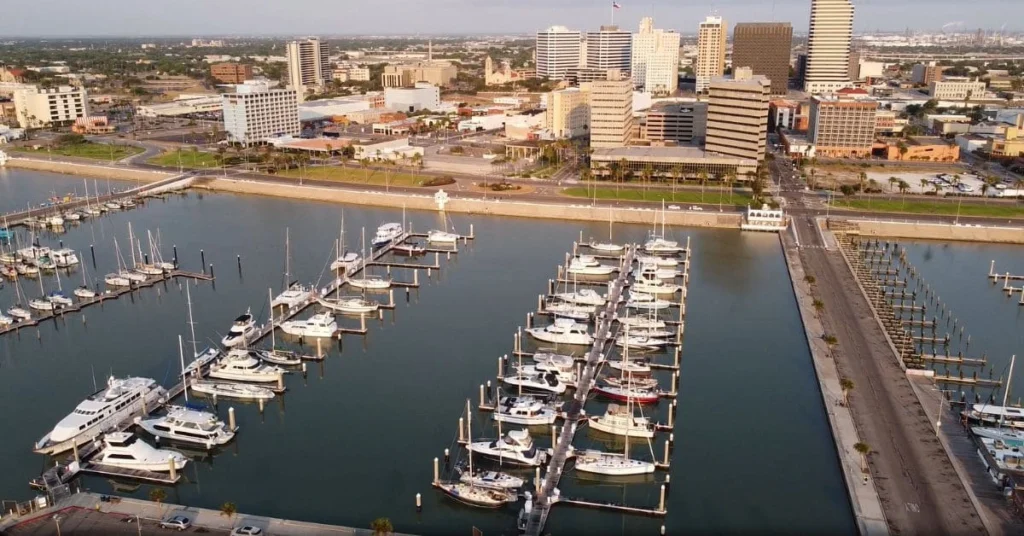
695 207
247 531
179 523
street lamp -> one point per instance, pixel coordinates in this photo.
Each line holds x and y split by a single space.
56 521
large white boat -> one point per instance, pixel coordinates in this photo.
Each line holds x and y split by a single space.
386 233
1010 436
552 360
370 282
586 265
640 343
656 261
1008 458
641 322
242 330
567 377
123 449
64 257
611 464
661 245
580 313
647 304
618 420
583 296
548 382
491 480
241 391
116 280
318 325
350 305
182 423
244 366
346 261
41 304
101 411
526 410
442 237
995 415
562 331
515 447
654 286
655 271
294 296
33 252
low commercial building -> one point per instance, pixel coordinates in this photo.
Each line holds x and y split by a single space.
255 113
42 107
330 108
231 73
1010 143
785 114
969 143
437 73
483 122
98 124
207 104
956 89
422 97
842 127
922 149
675 122
689 162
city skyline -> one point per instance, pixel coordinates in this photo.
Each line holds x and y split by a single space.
121 18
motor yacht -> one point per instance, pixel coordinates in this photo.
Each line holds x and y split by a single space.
491 480
567 377
617 420
346 262
44 263
548 382
1008 458
294 296
386 233
125 450
283 358
611 464
442 237
515 447
318 325
189 425
242 330
562 331
581 266
201 361
101 411
350 305
580 313
584 296
640 382
656 261
554 360
655 271
654 286
244 366
241 391
526 410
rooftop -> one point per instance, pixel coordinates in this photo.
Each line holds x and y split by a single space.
665 154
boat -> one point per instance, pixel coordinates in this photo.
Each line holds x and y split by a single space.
526 410
485 490
554 360
294 296
386 233
1011 437
562 331
655 271
647 304
41 304
638 342
241 391
19 313
101 411
654 286
64 257
189 425
349 304
516 447
640 322
57 297
8 257
72 216
548 382
242 330
346 262
584 296
33 252
369 282
994 415
442 237
656 261
609 246
125 450
128 203
44 263
626 380
27 269
1007 457
611 463
201 361
581 313
491 480
84 292
586 265
566 377
55 221
245 366
318 325
634 367
627 393
116 280
273 355
6 320
408 249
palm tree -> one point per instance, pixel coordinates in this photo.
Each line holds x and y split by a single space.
863 180
645 176
903 187
730 178
924 183
157 495
864 450
847 385
831 341
702 176
365 164
677 175
819 305
938 188
984 190
381 526
893 181
1018 184
228 509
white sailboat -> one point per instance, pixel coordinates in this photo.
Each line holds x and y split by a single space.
16 311
562 331
368 282
486 490
273 355
42 303
57 297
587 265
349 304
609 246
442 236
84 292
346 260
581 313
294 294
583 296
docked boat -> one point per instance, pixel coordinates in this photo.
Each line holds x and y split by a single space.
627 393
386 233
526 410
562 331
8 271
645 382
611 463
654 286
188 425
634 367
201 361
84 292
484 490
44 263
553 360
371 282
8 257
586 265
27 269
102 411
19 313
639 342
995 415
491 480
282 358
442 237
1010 436
318 325
515 447
59 299
242 330
116 280
618 420
350 305
662 246
640 322
128 203
547 382
33 252
241 391
655 271
125 450
346 262
72 216
1008 458
112 205
653 304
566 377
244 366
584 296
656 261
42 304
580 313
55 221
64 257
6 320
408 249
294 296
606 247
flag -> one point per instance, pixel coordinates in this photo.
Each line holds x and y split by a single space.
615 5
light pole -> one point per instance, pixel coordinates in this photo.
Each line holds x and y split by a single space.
56 521
959 200
942 401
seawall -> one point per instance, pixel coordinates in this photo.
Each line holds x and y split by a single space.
492 207
99 171
941 231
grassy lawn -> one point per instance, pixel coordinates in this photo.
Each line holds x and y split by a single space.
357 175
711 195
95 151
994 210
189 159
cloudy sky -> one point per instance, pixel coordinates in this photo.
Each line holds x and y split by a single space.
338 17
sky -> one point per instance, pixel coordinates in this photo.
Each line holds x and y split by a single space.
52 18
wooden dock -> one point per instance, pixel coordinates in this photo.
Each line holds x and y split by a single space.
658 511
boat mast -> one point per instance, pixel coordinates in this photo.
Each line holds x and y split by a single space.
273 342
131 243
191 324
1006 390
469 437
610 224
287 259
364 255
84 283
181 356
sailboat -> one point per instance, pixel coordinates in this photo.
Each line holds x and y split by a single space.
366 282
622 423
294 294
199 360
442 236
57 297
609 246
993 416
273 355
89 209
42 303
624 389
139 266
657 243
349 304
17 311
346 260
467 490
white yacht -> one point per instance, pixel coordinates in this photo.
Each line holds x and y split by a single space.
1010 436
386 233
64 257
370 282
654 286
442 237
350 305
641 322
617 420
584 296
41 304
641 343
19 313
190 426
655 271
515 447
553 360
33 252
611 464
656 261
346 262
653 304
27 269
243 329
606 247
244 366
6 320
148 269
562 331
1008 458
526 410
585 265
580 313
995 415
566 377
548 382
241 391
84 292
634 367
122 449
103 410
116 280
294 296
318 325
657 244
59 299
491 480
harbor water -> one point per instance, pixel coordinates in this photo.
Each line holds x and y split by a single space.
355 440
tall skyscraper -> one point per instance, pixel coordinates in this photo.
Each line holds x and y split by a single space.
710 51
738 115
655 59
828 46
611 111
558 51
765 48
609 48
308 65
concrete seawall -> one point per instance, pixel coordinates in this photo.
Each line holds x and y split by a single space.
99 171
941 231
493 207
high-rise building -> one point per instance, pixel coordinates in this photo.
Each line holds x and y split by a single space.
710 51
308 65
738 115
37 107
655 58
828 46
765 48
256 112
568 113
842 126
611 111
558 51
679 122
609 48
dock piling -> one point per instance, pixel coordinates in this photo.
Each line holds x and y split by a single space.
74 447
501 368
661 501
304 371
462 431
92 250
231 419
536 478
447 457
238 258
174 470
202 258
280 382
481 394
419 503
262 405
436 472
174 248
666 453
211 269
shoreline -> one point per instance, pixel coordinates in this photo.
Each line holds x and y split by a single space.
89 170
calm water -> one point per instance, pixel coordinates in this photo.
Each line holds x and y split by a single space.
355 440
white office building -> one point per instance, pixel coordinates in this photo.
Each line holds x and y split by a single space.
609 48
558 51
308 65
710 51
655 59
37 107
956 89
422 97
256 112
828 46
